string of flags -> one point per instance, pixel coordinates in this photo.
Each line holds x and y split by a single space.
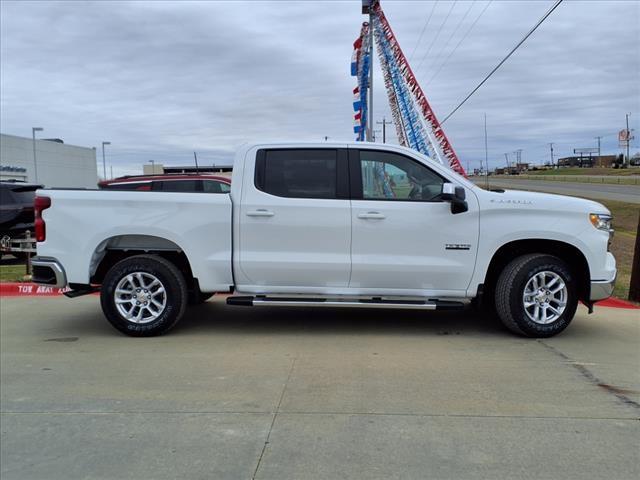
416 124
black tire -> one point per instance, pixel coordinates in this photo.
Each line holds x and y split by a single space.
510 289
197 297
171 279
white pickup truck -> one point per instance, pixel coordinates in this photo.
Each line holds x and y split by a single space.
328 225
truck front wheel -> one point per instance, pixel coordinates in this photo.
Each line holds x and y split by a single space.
536 295
143 295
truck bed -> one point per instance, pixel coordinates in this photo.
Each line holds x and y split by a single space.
83 224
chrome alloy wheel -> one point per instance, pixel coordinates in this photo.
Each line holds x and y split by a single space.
545 297
140 297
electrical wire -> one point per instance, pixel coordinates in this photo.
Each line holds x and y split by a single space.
446 60
423 29
437 35
544 17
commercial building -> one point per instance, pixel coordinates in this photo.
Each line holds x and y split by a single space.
57 164
512 170
588 161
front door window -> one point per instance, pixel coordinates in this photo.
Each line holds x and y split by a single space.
389 176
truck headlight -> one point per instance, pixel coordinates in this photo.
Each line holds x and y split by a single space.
601 221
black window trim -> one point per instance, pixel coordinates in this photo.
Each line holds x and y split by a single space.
342 172
356 177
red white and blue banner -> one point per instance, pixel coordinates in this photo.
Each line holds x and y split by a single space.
416 124
360 63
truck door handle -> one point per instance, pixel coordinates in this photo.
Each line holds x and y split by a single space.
261 212
371 216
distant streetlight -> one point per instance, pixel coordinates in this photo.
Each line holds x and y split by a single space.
104 163
35 161
153 167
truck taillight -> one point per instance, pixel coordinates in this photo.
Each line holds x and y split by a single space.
40 204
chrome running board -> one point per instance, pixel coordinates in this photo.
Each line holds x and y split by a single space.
250 301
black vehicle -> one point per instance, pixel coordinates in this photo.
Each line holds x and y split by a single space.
16 209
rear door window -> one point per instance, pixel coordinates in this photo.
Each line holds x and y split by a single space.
304 173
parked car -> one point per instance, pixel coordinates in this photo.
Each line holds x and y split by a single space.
184 182
329 225
16 211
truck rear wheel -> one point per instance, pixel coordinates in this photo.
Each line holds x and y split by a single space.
536 296
143 295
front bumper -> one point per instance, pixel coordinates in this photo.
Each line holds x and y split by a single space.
48 271
602 290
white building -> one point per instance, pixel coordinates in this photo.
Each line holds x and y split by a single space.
58 164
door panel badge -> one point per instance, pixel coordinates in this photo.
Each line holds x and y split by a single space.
457 246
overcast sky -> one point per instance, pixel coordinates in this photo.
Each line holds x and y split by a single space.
161 79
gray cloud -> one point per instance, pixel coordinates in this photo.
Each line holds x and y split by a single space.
161 79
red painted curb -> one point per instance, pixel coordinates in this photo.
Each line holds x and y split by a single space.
615 302
15 289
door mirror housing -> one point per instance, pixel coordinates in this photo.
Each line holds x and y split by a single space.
456 196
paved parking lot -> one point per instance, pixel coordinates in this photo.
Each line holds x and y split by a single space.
240 393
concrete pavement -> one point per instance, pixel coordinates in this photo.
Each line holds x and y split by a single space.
621 193
294 393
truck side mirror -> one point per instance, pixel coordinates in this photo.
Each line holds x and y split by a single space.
456 196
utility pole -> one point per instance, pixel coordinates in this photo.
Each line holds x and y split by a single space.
518 158
195 157
628 161
599 155
486 152
384 124
111 167
371 52
551 146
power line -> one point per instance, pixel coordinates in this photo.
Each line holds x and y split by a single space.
446 60
455 30
437 35
423 29
544 17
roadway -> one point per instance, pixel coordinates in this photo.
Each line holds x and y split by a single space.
241 393
622 193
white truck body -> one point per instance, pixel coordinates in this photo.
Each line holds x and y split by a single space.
257 243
